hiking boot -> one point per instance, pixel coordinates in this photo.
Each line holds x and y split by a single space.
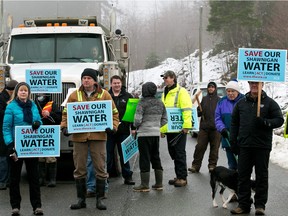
15 212
172 181
38 211
239 210
260 211
141 188
180 183
193 170
129 181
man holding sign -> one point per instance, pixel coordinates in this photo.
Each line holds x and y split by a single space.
177 97
90 90
251 140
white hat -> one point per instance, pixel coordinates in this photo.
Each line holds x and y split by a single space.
233 85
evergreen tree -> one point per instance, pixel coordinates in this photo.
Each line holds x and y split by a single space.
234 22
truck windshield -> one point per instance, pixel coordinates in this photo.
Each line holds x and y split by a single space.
41 48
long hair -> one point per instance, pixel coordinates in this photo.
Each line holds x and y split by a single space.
15 92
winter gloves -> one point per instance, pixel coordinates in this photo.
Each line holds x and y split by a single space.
234 147
262 122
12 152
110 131
225 133
65 131
36 125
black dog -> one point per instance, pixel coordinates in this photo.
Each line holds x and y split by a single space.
224 177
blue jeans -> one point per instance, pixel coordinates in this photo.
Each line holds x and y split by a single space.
4 171
112 141
91 180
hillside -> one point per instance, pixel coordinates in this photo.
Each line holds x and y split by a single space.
187 70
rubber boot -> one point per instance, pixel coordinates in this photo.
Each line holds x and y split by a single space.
144 186
42 173
100 194
159 180
81 194
52 171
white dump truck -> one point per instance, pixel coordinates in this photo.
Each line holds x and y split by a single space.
68 45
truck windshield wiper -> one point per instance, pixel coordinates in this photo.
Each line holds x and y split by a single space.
74 58
17 62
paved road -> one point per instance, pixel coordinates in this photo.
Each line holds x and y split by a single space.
195 199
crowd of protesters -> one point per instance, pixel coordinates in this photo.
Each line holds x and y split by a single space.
235 118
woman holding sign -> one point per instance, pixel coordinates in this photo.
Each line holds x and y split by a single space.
21 111
149 117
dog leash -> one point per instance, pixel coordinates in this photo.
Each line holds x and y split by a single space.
174 141
235 156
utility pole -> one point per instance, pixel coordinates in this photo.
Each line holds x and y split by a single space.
200 45
1 30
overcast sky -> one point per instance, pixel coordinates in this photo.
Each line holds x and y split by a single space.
43 8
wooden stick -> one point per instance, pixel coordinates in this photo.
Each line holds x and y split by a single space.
198 101
259 99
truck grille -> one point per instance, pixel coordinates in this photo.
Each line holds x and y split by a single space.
59 98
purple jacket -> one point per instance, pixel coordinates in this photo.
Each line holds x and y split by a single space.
223 115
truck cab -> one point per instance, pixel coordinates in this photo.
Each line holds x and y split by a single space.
69 45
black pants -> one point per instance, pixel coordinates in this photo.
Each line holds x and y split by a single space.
149 152
177 152
247 159
33 179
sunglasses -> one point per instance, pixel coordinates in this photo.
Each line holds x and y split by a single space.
165 77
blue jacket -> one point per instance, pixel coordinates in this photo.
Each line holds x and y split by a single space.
223 115
14 117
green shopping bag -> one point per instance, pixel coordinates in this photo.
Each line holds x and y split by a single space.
130 110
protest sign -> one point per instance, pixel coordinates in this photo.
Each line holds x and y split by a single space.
94 116
43 142
261 65
44 80
129 148
175 119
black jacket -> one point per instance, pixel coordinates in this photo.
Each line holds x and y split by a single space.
208 104
244 129
4 98
55 114
121 102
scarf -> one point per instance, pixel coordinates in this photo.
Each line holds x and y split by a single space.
27 112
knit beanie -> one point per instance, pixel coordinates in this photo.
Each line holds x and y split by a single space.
10 85
91 73
212 84
233 85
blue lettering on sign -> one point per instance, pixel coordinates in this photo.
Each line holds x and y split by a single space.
90 118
